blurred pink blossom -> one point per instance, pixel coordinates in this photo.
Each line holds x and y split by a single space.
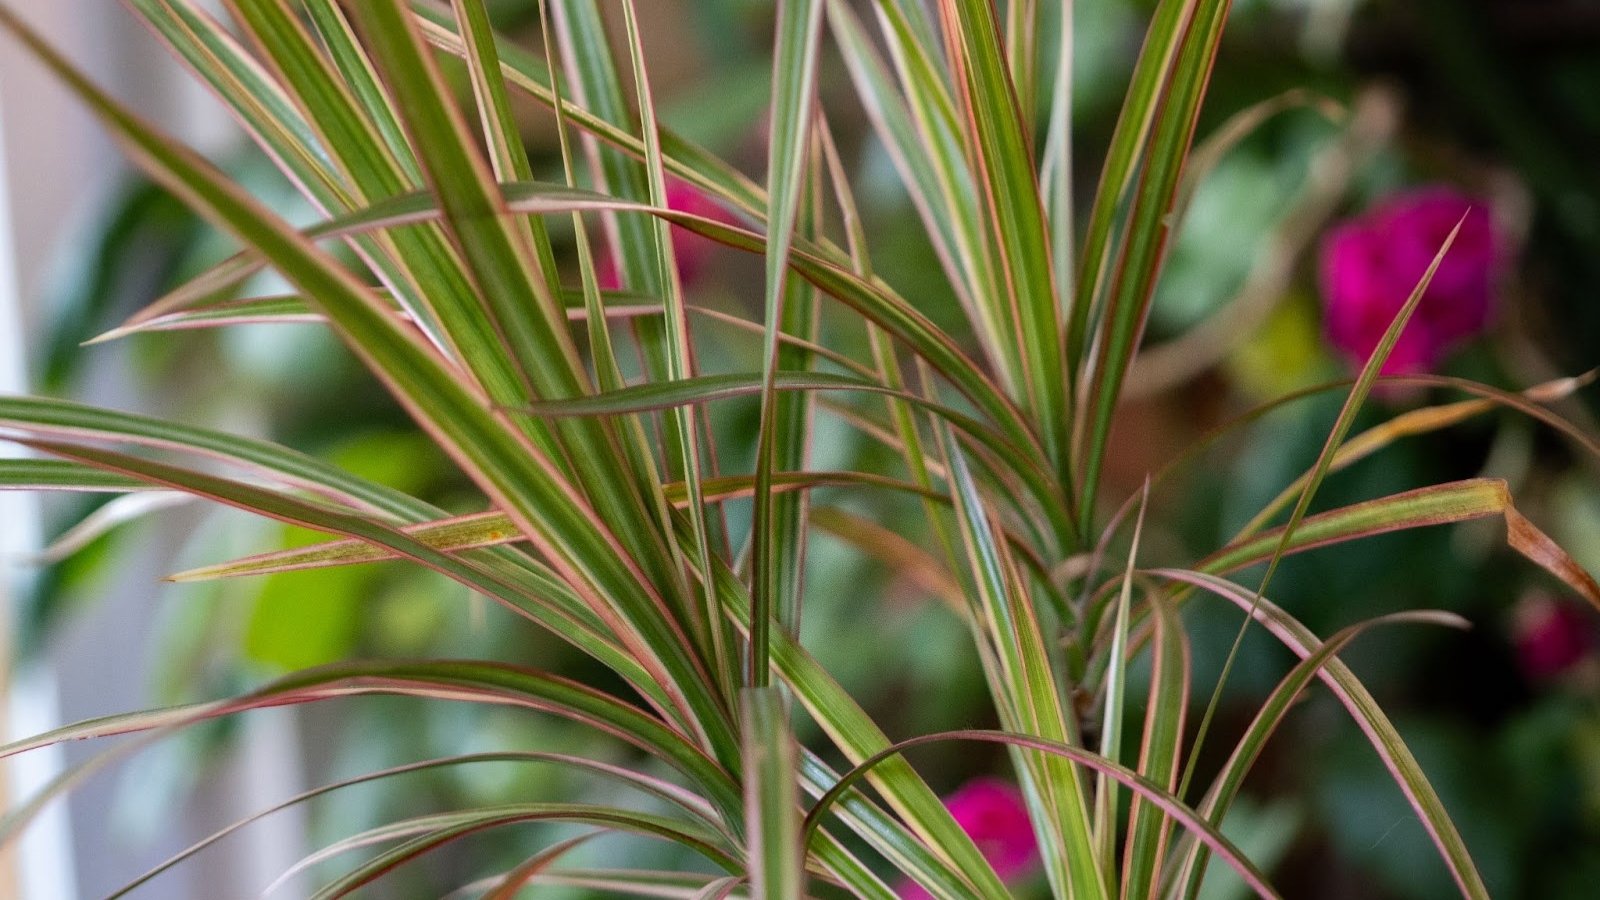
692 252
994 814
1372 263
1551 636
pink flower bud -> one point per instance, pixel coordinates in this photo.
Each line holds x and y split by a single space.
994 814
1551 636
1372 263
692 252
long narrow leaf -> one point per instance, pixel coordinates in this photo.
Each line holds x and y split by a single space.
437 830
483 442
1115 702
794 84
1151 792
1226 785
1165 104
459 680
870 297
455 534
1160 756
684 427
1336 435
61 475
1459 501
506 153
772 811
569 619
1000 151
509 886
654 786
1025 684
1368 715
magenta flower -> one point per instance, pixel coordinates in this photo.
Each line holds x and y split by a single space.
1551 636
692 252
1372 263
994 814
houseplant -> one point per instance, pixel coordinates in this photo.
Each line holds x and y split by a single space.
605 517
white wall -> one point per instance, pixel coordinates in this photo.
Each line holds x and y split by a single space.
31 696
57 172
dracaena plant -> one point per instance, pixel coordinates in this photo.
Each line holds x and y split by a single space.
603 505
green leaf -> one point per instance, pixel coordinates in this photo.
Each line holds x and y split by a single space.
282 309
500 130
1380 732
919 131
908 854
772 808
1440 504
528 588
678 361
273 118
775 540
440 829
456 534
1161 753
293 309
553 606
858 737
651 396
1022 53
663 790
260 104
530 74
598 89
1055 178
1141 786
514 294
1341 427
515 880
458 680
516 476
450 535
371 168
870 297
638 446
356 71
1355 400
1225 787
68 420
1116 701
1000 153
61 475
720 889
1528 403
629 882
1433 418
1119 271
1024 682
